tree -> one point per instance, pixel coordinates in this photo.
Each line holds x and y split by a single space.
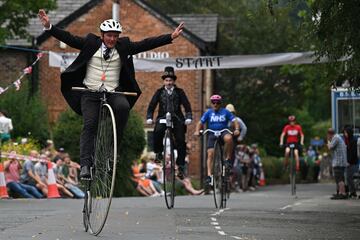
334 31
29 114
15 15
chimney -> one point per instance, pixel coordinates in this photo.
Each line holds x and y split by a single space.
116 10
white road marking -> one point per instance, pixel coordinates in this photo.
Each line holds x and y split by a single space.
222 233
291 205
236 237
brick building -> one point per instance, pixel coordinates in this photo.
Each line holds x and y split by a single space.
139 20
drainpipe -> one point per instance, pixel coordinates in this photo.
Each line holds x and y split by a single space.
116 10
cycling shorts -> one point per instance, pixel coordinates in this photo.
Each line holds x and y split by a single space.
297 146
212 139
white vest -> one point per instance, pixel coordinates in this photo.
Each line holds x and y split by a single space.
97 66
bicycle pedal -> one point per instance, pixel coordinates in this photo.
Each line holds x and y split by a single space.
86 179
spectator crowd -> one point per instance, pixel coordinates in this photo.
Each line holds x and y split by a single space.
28 176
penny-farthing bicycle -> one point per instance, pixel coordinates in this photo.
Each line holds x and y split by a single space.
220 179
100 187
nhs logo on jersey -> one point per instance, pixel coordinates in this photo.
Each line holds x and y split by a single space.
217 118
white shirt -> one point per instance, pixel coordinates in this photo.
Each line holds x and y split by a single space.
5 124
97 66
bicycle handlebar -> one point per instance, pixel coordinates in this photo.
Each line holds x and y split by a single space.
215 132
82 89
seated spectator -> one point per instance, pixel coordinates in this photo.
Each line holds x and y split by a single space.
153 170
143 186
12 176
70 170
66 181
30 177
42 170
186 183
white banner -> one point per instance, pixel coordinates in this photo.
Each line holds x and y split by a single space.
202 62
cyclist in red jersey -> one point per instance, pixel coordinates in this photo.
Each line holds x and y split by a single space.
292 132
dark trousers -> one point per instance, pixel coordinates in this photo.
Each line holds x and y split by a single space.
179 131
90 106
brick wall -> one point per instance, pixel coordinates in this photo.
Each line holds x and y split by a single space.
137 24
12 62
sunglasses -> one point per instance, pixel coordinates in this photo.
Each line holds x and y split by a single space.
216 102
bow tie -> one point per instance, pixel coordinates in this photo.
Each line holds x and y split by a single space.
107 53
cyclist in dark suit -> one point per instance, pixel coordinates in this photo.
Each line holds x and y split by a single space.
170 98
104 62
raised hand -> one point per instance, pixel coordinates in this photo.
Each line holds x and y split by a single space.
44 18
178 31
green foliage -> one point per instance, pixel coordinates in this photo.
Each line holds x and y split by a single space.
336 27
15 15
21 148
132 145
28 114
319 129
273 167
67 132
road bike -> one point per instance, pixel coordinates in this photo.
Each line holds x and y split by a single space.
100 187
220 179
168 161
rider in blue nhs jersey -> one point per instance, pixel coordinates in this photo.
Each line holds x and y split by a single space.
217 118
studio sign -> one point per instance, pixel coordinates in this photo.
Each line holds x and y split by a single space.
152 55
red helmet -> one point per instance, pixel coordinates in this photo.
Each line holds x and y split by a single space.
291 118
216 98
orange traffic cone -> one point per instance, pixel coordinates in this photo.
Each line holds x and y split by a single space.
262 179
53 191
3 190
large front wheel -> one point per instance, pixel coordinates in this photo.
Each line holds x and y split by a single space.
218 171
104 171
169 170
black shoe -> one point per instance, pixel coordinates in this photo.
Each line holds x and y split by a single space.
354 195
181 173
339 197
85 173
209 181
228 166
159 158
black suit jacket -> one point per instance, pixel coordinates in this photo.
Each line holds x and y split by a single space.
74 75
177 99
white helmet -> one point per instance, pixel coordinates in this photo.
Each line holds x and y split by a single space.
110 25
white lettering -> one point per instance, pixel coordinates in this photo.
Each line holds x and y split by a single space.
152 55
217 118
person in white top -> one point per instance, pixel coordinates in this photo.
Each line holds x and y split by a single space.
5 127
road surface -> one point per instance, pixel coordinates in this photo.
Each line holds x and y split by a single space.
268 213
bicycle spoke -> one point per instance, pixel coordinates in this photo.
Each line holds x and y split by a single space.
102 185
169 170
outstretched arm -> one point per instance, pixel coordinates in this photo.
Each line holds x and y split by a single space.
154 42
64 36
44 19
178 30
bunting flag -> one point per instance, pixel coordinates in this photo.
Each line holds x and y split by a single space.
17 84
27 70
